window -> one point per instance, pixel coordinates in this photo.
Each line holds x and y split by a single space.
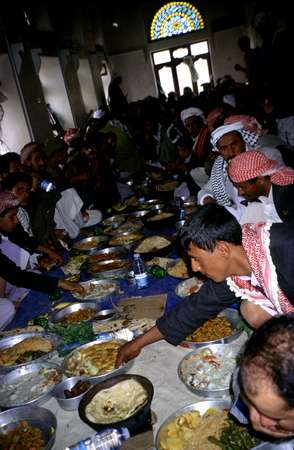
174 67
175 18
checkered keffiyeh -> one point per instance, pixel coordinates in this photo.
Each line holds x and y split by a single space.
249 165
249 128
7 201
272 299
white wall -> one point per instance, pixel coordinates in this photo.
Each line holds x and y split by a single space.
15 132
54 90
87 85
225 53
135 69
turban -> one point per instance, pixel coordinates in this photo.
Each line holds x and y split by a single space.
253 164
28 149
190 112
7 201
247 126
98 114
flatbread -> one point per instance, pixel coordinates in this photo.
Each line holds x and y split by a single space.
141 325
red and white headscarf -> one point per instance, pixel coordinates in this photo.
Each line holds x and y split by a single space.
7 201
272 299
249 128
249 165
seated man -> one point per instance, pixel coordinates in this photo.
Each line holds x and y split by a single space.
11 272
267 383
260 178
230 140
254 263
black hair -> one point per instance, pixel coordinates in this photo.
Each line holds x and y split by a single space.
210 224
270 349
6 159
16 177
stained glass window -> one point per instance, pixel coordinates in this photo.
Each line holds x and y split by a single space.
175 18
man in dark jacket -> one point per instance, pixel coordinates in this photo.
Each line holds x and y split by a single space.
254 263
260 178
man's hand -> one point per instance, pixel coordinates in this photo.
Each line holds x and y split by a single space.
71 286
56 257
127 352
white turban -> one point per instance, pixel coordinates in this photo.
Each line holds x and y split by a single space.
221 131
190 112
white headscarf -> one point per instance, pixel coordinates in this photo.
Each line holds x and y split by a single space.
190 112
221 131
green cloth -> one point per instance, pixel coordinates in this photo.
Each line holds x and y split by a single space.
127 156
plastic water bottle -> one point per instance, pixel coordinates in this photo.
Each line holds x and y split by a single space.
140 272
109 439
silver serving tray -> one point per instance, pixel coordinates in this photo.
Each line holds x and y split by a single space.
210 393
57 316
140 213
37 417
13 340
233 317
12 377
133 225
137 237
119 250
96 378
202 407
111 291
97 241
117 219
112 273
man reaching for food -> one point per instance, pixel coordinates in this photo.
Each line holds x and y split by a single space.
253 265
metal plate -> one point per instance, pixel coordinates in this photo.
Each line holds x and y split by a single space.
13 376
161 223
13 340
108 272
217 349
37 417
96 378
182 289
126 227
57 316
105 288
162 251
233 317
202 407
118 219
126 239
109 253
139 214
93 242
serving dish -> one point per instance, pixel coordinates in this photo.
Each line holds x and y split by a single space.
23 382
201 407
90 244
126 239
59 315
178 268
105 315
207 371
161 218
233 316
70 368
127 227
115 220
36 416
136 420
153 246
11 341
97 289
112 268
188 287
137 214
108 253
69 404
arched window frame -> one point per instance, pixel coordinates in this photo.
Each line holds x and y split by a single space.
184 11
